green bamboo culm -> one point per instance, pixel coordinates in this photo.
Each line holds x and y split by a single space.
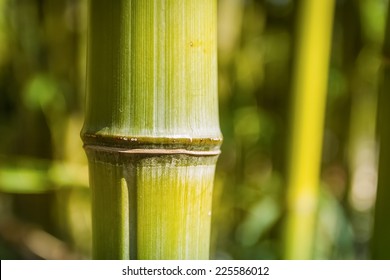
151 131
381 232
308 110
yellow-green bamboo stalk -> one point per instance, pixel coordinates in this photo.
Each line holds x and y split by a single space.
308 110
381 232
151 131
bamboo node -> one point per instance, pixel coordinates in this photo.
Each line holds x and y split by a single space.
152 151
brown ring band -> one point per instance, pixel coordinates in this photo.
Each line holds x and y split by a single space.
152 151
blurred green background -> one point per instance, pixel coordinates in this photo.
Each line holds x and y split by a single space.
44 195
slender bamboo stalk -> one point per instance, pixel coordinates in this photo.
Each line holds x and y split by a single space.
381 232
151 132
308 110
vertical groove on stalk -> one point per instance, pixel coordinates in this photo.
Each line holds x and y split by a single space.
116 201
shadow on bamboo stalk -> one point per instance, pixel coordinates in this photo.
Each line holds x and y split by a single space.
380 239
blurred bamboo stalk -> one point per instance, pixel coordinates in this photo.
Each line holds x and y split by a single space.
381 231
308 110
151 132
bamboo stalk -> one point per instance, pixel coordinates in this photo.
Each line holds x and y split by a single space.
151 132
381 231
308 110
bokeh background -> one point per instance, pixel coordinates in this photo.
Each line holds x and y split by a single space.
44 194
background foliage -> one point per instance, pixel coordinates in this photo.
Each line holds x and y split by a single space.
44 195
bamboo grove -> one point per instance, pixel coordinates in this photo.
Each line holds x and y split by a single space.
298 89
